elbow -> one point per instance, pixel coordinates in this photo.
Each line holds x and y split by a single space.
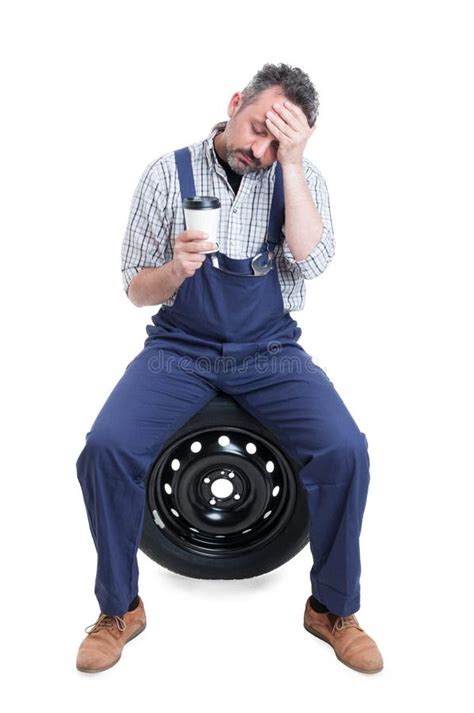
134 300
132 293
329 243
328 248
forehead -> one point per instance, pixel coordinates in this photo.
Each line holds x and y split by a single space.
263 102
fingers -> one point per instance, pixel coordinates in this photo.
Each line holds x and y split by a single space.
292 114
295 110
197 246
284 117
188 235
194 256
188 263
278 126
189 251
191 241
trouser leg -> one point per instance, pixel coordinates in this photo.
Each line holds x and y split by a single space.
155 396
295 399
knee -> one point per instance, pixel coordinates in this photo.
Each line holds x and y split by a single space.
351 452
353 443
342 460
100 444
98 440
112 454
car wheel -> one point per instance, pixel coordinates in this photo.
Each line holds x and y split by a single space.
223 499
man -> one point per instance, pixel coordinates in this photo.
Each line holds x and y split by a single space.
235 304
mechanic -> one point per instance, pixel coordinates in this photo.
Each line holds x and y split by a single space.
275 232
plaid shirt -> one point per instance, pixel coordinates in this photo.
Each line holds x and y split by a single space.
156 218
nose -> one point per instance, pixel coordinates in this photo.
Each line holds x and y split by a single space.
261 146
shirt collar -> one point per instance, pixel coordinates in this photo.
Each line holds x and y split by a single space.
212 157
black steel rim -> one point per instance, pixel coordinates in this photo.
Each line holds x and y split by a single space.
220 490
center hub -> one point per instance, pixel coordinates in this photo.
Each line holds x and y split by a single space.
222 488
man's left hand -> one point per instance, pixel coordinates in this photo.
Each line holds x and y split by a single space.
289 125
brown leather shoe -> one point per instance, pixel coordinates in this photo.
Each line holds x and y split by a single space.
351 644
103 645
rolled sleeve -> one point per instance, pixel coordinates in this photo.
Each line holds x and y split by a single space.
320 256
146 239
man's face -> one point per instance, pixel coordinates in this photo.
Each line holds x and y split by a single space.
246 134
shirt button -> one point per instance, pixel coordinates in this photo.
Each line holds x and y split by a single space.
234 210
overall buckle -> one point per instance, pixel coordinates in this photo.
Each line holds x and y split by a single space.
262 269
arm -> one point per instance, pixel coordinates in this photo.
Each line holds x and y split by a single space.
303 223
309 244
153 270
154 285
321 253
146 249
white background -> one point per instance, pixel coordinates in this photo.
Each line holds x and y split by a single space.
92 92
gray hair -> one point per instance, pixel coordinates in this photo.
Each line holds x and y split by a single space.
294 83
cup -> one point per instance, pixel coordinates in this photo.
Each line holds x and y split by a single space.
202 213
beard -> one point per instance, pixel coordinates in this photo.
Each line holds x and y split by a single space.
234 157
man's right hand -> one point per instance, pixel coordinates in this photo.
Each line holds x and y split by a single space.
187 256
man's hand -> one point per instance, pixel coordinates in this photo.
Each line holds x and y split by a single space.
289 125
187 257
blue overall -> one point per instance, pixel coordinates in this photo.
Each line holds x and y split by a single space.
226 331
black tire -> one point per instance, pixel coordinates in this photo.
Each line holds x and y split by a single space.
229 538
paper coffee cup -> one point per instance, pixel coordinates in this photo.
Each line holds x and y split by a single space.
202 213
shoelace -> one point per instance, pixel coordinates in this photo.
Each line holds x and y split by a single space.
343 622
106 620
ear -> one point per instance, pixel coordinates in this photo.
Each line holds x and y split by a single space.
234 103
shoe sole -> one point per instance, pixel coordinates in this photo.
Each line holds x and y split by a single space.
354 668
104 668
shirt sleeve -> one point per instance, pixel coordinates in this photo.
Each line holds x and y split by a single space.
146 238
320 256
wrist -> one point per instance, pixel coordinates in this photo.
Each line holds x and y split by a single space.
176 271
293 166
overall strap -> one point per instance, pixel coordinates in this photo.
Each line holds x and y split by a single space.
277 210
185 173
